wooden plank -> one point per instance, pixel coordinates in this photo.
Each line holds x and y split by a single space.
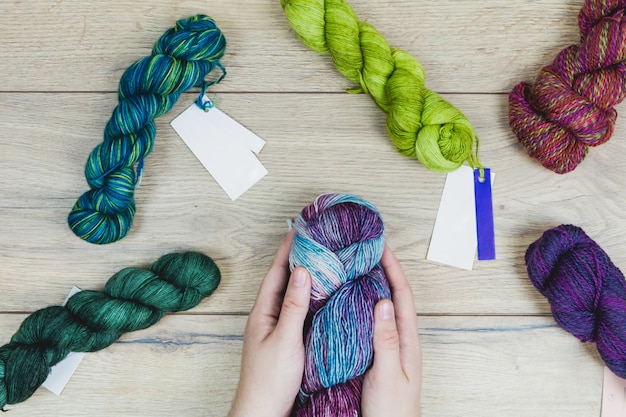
473 366
465 46
180 207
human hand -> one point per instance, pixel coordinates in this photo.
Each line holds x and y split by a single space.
272 362
392 386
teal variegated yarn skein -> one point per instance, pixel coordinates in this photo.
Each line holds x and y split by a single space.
132 299
180 60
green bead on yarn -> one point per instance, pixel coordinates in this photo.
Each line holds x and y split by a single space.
133 299
420 123
181 59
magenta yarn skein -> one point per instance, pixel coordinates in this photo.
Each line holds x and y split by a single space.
571 105
340 240
586 291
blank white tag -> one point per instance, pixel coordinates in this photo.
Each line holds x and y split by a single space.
613 395
454 238
223 146
61 373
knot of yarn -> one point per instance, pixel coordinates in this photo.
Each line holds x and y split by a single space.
132 299
180 60
586 291
339 239
570 107
419 122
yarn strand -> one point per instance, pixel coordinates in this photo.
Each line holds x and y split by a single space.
420 123
132 299
181 59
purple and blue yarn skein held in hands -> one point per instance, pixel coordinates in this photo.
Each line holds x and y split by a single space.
586 291
339 239
181 59
132 299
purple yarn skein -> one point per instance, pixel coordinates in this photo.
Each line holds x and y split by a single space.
586 291
339 239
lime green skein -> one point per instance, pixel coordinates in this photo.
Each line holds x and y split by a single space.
181 59
132 299
419 122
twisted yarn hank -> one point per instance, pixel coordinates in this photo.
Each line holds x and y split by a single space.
570 107
181 59
586 291
419 122
132 299
339 239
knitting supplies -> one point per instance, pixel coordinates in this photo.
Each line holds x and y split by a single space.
587 293
132 299
180 60
419 122
339 239
570 107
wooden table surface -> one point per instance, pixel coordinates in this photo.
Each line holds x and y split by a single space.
491 347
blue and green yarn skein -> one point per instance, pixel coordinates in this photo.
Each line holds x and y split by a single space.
420 123
181 59
132 299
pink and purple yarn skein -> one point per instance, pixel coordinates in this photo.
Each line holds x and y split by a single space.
340 240
586 291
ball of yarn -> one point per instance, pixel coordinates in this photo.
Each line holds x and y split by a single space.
181 59
570 107
339 239
587 293
419 122
132 299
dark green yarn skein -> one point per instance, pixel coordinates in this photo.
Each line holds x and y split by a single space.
133 299
180 60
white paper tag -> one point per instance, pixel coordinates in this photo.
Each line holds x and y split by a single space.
223 146
454 238
61 373
613 395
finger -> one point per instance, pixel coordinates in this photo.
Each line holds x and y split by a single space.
270 294
386 363
405 315
295 306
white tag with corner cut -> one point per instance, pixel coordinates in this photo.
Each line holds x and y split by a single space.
613 395
454 239
61 373
223 146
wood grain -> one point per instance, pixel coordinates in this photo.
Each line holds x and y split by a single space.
491 347
464 45
187 365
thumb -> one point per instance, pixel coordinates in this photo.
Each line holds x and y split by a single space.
295 305
386 340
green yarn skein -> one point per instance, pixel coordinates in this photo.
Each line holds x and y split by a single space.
132 299
419 122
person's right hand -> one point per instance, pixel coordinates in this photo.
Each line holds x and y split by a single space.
392 386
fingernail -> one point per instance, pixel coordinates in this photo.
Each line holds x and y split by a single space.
386 310
299 277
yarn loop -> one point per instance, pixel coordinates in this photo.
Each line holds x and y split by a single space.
570 107
419 122
586 291
339 239
133 299
181 59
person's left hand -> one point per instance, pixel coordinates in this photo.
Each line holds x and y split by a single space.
272 363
